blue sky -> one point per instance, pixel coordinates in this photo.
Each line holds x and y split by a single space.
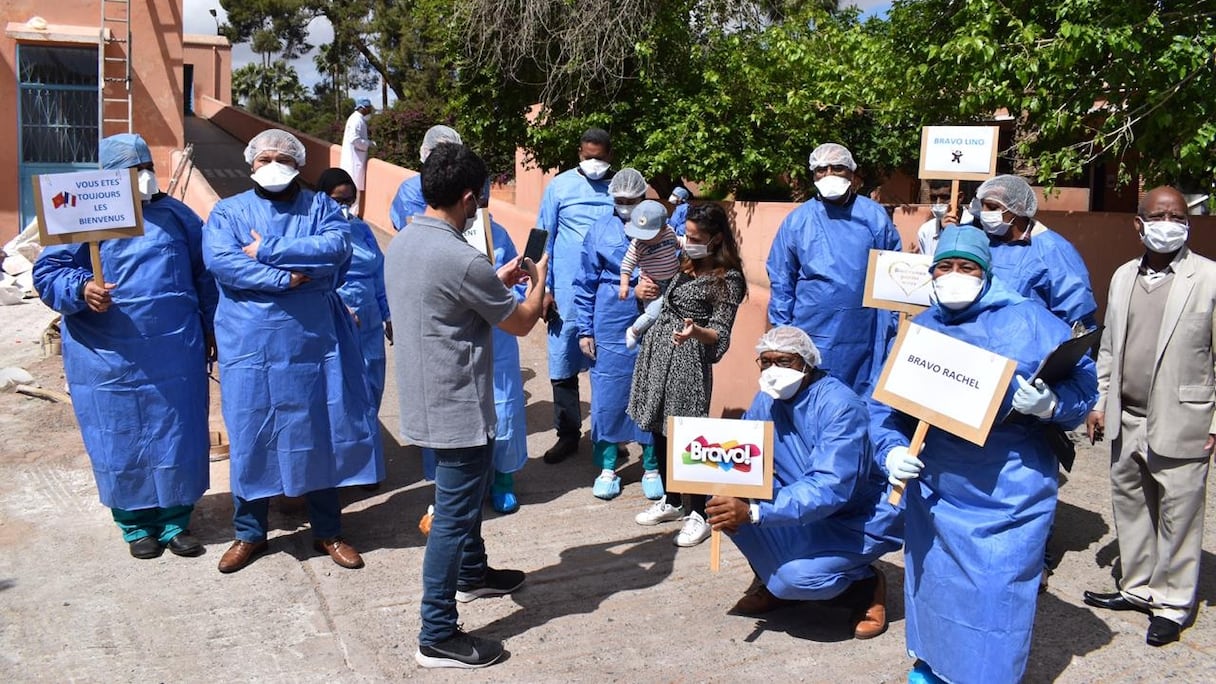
197 19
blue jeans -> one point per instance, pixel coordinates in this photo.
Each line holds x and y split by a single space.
324 514
455 552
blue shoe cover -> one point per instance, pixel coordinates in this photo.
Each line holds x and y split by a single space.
652 487
922 674
504 502
606 489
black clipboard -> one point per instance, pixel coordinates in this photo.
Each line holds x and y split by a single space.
1059 363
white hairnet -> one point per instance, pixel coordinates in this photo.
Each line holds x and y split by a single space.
1013 192
789 340
275 140
434 136
627 183
828 154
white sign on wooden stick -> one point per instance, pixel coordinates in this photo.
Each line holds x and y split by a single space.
958 152
899 281
950 384
87 206
481 235
720 456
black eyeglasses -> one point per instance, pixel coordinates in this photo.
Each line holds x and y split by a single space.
783 362
834 168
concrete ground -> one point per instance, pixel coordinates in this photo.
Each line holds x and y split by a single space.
605 600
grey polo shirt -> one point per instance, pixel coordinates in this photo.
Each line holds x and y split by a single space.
445 299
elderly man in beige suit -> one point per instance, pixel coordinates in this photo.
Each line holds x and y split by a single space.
1155 382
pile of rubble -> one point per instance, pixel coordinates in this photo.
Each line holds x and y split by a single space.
17 266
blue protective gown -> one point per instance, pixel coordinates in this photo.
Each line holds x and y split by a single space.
363 291
600 313
678 216
296 399
817 270
571 205
829 518
511 432
977 517
137 372
407 202
1048 268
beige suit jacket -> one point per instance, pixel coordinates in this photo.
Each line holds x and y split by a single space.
1182 396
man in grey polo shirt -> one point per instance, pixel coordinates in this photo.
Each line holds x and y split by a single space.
444 296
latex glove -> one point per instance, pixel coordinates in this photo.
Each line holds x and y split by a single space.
1035 400
902 465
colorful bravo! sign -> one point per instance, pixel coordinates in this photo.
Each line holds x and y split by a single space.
950 384
720 456
898 281
87 206
958 152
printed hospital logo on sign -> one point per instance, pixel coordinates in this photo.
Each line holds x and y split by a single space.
958 152
720 456
87 206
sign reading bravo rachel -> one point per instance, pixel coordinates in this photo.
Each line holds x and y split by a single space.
948 383
898 281
720 456
958 152
87 206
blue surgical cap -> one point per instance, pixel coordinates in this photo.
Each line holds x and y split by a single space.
964 242
123 151
682 193
363 102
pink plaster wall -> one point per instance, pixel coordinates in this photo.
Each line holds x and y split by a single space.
212 60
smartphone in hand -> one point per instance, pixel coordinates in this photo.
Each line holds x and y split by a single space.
535 249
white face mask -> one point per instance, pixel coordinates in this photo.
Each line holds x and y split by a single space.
993 222
1164 237
146 180
693 251
345 211
594 168
833 187
781 383
673 199
274 177
938 211
624 211
956 290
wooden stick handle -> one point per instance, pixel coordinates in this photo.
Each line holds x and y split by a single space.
918 440
954 198
95 255
715 551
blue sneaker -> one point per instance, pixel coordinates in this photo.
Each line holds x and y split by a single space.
606 488
652 486
504 502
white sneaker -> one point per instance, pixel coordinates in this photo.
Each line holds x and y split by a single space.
659 512
695 530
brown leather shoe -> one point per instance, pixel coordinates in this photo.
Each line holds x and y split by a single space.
343 553
873 621
758 600
240 554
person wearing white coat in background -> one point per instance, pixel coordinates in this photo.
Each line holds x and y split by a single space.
355 145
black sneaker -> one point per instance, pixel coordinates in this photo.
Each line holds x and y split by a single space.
460 650
495 583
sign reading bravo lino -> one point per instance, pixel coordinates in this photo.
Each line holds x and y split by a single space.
958 152
720 456
87 206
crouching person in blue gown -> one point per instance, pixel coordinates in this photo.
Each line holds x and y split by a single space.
977 517
298 407
135 353
511 430
828 520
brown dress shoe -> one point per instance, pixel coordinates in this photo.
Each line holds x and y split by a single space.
240 554
758 600
873 620
343 553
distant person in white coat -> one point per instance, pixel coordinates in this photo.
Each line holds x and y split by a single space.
355 144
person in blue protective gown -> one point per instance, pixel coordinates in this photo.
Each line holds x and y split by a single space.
362 290
679 213
817 270
135 351
408 200
828 519
602 318
573 201
298 407
977 517
1030 258
511 430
